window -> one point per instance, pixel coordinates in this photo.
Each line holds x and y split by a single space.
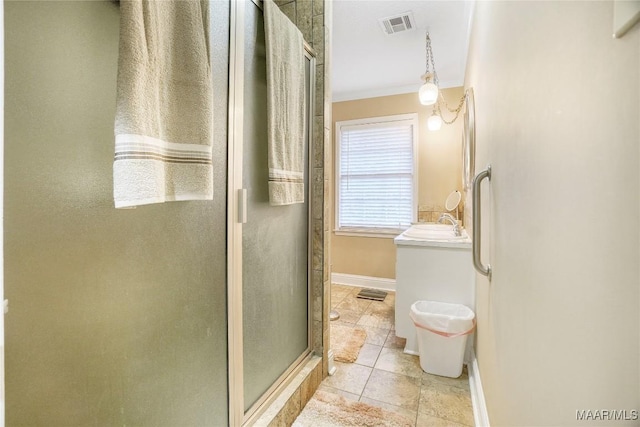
376 174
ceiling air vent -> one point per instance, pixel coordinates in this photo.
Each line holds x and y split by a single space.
397 23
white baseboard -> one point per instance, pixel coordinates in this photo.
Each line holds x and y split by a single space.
364 281
480 414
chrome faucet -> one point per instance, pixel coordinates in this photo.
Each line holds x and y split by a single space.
454 222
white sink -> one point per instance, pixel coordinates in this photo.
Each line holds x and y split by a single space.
434 232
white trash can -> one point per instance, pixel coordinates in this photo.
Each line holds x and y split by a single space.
442 330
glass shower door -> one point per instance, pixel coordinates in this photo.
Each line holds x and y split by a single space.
275 241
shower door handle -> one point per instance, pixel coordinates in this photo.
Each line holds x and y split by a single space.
242 206
477 223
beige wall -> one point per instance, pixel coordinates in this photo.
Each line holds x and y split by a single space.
439 173
557 110
118 317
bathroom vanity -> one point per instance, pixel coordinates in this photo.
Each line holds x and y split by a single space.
431 264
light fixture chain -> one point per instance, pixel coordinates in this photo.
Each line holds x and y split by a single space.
456 111
430 60
458 108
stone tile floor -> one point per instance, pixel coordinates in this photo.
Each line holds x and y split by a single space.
384 376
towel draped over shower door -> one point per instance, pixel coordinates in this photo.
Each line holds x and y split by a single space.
285 106
163 126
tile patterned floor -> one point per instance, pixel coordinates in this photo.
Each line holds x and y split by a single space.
386 377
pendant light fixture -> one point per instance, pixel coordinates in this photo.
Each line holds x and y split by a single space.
435 121
429 90
430 93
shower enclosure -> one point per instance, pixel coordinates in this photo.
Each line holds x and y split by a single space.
269 252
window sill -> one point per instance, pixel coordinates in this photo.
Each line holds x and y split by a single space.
384 234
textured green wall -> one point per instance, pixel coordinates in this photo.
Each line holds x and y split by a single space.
117 316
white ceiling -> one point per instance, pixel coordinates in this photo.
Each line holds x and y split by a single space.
367 63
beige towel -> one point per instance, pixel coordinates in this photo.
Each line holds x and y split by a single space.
164 103
285 107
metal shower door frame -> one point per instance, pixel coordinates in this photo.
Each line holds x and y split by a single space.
236 215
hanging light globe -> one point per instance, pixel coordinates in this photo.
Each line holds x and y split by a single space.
428 93
434 122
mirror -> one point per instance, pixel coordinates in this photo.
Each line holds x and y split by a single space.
453 200
468 141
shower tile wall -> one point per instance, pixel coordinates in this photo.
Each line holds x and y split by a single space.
309 16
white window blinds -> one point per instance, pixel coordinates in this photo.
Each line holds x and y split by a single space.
376 174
